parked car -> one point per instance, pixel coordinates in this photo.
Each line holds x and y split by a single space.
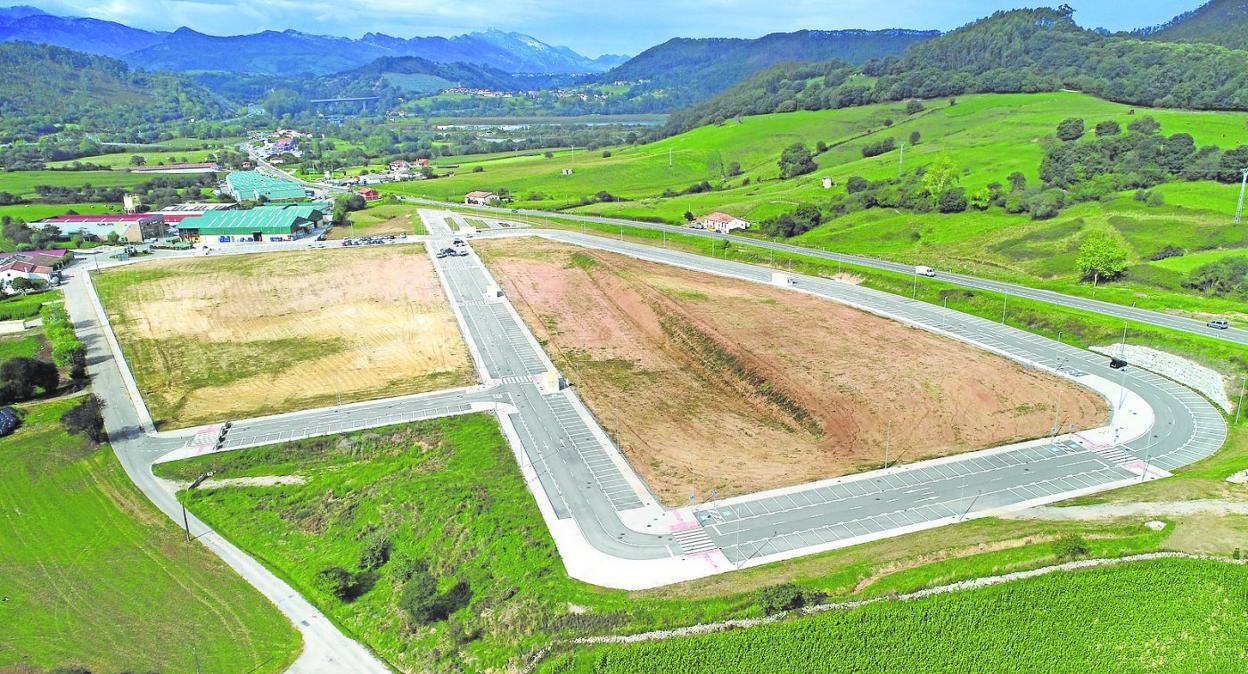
9 420
1219 324
459 242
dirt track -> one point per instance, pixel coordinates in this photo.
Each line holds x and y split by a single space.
724 385
229 337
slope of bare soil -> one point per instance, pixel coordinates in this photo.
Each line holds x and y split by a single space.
731 386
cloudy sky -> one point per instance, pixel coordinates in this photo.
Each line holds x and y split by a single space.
591 27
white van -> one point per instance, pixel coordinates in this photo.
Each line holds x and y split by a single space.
925 271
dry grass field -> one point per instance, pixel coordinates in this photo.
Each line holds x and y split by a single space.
237 336
720 384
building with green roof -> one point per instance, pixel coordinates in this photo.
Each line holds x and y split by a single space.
244 185
285 222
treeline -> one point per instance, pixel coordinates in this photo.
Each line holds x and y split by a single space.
1020 51
156 193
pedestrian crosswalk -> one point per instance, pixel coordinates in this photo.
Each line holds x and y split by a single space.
518 379
693 541
1115 454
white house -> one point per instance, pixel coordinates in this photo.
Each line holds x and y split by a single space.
720 222
480 198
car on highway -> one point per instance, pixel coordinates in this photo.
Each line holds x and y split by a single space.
1219 324
922 270
459 242
1117 364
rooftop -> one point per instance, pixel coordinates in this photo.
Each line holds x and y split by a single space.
252 185
281 219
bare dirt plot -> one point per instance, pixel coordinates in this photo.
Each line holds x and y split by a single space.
734 386
237 336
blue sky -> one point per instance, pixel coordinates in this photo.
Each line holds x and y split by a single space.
591 27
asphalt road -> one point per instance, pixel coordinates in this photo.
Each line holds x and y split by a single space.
587 482
1157 318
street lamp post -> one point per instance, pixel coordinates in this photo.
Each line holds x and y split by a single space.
1239 210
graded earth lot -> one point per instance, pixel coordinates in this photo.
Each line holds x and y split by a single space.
216 338
725 385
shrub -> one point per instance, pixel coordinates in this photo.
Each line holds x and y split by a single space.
1228 276
952 200
21 376
857 184
914 107
1109 128
915 137
796 160
86 418
375 554
879 147
1071 546
67 350
786 597
1167 253
478 169
606 154
339 582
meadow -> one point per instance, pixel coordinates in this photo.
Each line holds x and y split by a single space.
381 219
22 183
95 577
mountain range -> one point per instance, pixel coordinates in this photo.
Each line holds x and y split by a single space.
288 52
1220 22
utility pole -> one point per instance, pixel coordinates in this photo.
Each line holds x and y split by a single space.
1239 211
1005 304
1240 406
914 288
669 157
901 161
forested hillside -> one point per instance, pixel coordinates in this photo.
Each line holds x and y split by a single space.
1019 51
684 71
1221 22
45 88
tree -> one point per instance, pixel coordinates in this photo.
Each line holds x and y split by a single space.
914 107
915 137
375 554
1101 258
796 160
606 154
1108 128
1017 181
137 160
941 175
1070 129
419 597
86 418
689 216
888 121
21 284
21 376
879 147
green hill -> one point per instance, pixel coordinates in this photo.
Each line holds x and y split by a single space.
986 138
1019 51
1220 22
43 88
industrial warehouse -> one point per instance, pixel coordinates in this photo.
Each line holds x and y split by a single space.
286 222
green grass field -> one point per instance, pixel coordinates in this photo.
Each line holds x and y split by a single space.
22 183
35 212
93 576
121 160
21 345
1176 616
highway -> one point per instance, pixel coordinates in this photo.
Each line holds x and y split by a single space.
1146 316
609 529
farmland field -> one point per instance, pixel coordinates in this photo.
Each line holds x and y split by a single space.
93 576
736 387
238 336
1174 616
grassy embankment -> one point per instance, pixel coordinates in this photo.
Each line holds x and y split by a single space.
988 136
381 219
465 511
95 577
